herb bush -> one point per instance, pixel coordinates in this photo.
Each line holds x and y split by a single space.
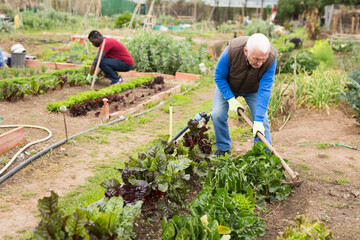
352 92
304 229
160 53
6 26
108 219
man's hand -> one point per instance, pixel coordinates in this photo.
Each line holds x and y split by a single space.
258 127
89 78
234 105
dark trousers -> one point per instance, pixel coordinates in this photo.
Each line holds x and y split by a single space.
111 65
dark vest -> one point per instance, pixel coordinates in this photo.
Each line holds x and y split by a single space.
243 78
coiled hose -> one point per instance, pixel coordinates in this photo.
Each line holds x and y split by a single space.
27 145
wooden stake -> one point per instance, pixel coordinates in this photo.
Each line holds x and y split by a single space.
97 64
352 24
295 86
357 25
171 122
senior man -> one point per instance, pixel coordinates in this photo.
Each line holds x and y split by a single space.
246 68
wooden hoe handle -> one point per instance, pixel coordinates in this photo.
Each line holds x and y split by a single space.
97 64
294 176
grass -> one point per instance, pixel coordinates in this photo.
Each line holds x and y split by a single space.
27 195
325 179
341 180
305 166
338 172
240 133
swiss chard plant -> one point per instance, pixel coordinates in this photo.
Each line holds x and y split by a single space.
108 219
258 169
190 228
234 212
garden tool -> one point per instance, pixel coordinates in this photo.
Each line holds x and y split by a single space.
97 64
197 117
295 178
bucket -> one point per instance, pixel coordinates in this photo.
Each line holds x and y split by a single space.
18 60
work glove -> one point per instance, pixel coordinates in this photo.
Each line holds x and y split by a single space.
234 105
89 78
258 127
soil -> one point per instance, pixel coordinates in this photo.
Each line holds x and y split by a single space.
330 192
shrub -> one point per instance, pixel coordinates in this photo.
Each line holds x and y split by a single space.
258 27
305 62
123 19
224 28
6 27
322 51
160 53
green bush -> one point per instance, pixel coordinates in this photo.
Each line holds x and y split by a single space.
224 28
305 62
50 19
160 53
259 27
322 51
123 19
7 9
6 27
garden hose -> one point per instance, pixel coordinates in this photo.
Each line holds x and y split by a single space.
27 145
331 144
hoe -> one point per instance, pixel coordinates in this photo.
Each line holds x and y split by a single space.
295 179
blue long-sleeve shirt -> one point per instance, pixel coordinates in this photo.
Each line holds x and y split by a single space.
265 85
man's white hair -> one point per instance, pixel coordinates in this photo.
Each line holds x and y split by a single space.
259 41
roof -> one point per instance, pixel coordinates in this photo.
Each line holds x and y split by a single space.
241 3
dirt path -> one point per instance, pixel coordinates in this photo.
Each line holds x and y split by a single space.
320 196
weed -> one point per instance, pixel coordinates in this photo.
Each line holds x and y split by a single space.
32 152
240 133
27 195
305 166
144 120
341 180
338 172
94 153
4 159
338 205
43 68
4 207
323 145
298 153
351 165
325 179
32 71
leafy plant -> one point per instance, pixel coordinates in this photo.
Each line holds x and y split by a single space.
305 62
352 92
304 229
160 53
189 227
107 219
220 207
257 169
322 51
342 46
123 19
